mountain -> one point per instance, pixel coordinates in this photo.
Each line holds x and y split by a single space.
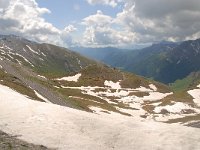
52 96
165 61
100 54
172 62
53 74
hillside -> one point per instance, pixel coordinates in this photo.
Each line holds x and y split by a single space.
189 82
56 75
64 128
165 62
51 75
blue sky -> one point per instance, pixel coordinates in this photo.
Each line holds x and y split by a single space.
73 11
101 23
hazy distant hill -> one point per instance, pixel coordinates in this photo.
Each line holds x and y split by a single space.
165 62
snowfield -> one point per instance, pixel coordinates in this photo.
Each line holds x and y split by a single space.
121 94
65 128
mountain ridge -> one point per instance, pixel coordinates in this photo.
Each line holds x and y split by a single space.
165 61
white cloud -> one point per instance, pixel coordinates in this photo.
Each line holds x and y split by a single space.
139 21
112 3
67 35
24 17
155 20
70 28
99 19
102 31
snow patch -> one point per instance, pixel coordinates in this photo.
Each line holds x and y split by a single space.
113 85
196 95
178 107
41 76
24 59
143 89
43 54
32 50
41 97
154 96
153 87
74 78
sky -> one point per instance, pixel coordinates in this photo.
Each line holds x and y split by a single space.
101 23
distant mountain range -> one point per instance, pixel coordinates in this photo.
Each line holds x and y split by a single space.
165 61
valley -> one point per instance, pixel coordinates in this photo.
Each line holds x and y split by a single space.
50 89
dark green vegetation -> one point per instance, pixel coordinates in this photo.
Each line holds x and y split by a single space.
189 82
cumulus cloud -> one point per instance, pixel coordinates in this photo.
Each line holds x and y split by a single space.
142 21
112 3
139 21
67 35
99 19
24 17
155 20
102 31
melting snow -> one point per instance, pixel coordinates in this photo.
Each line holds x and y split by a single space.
155 96
120 95
23 58
32 50
143 89
112 84
178 107
56 87
65 128
43 54
196 95
41 97
71 78
153 87
41 76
